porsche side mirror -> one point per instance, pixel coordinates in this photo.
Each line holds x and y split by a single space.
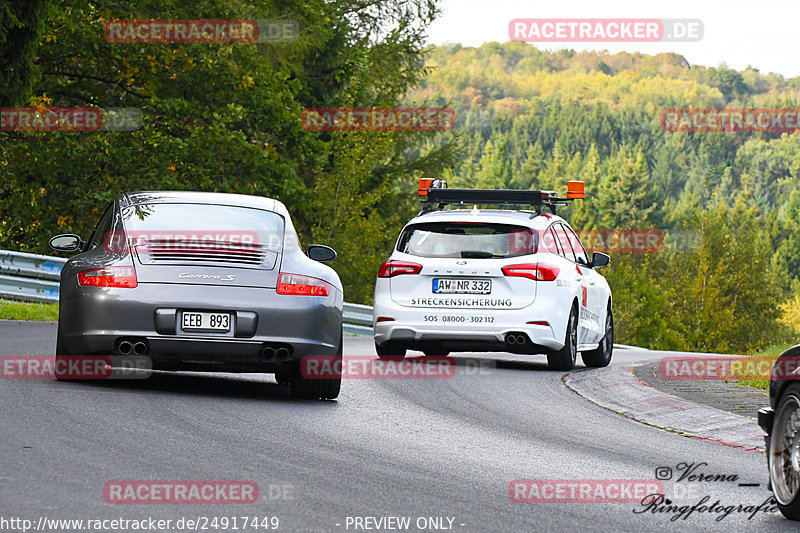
321 253
67 243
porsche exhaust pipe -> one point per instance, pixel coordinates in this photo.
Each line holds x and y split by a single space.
124 347
511 338
271 353
140 348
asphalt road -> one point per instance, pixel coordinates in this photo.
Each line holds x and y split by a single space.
401 448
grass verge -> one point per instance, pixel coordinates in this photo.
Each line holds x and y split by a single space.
771 353
11 310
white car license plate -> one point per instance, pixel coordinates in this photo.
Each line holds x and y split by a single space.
462 286
208 321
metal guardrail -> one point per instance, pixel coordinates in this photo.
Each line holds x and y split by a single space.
34 278
29 277
357 319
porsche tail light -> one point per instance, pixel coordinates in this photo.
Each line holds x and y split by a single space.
537 272
119 277
298 285
394 268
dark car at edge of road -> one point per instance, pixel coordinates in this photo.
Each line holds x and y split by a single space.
781 423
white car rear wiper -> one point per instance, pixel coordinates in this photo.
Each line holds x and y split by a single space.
478 254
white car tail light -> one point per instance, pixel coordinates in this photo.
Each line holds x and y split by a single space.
537 271
393 268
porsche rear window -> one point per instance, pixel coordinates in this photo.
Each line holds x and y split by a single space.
204 222
468 240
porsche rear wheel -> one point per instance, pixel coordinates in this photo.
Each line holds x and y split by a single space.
318 388
284 374
390 350
62 354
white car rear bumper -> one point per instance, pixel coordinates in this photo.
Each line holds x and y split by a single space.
414 325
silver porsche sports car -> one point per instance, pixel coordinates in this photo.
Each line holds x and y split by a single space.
204 282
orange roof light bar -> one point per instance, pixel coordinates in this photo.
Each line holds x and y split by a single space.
435 195
575 190
424 185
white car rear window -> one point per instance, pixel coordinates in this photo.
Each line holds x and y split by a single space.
467 239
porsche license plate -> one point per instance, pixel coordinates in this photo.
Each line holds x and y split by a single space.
220 322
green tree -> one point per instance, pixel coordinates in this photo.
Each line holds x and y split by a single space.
627 198
727 293
21 26
530 168
226 117
496 166
583 214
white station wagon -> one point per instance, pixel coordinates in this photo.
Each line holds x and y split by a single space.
515 279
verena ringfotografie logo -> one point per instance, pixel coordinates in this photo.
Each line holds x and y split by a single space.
75 367
692 484
583 490
204 31
610 30
70 119
378 119
156 242
729 368
368 367
772 120
180 492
